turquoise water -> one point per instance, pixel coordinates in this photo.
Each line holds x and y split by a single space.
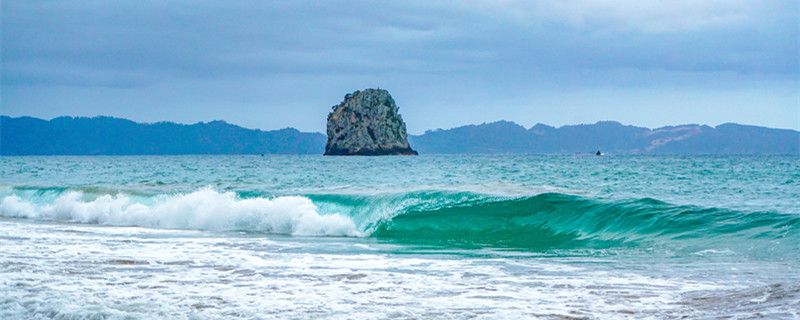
510 236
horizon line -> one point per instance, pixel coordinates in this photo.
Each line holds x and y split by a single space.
423 133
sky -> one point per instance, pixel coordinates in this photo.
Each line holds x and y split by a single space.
277 64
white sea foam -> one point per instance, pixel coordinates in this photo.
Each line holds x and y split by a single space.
204 209
86 272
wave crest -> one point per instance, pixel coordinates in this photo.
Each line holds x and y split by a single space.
558 221
432 217
202 209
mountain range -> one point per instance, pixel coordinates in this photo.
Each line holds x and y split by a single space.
113 136
609 137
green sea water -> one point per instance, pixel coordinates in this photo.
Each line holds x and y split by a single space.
457 236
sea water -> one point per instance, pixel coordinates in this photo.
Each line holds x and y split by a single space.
427 237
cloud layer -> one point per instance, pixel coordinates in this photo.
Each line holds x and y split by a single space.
186 60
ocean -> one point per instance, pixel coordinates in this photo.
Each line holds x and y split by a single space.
427 237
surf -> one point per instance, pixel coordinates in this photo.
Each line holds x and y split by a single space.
203 209
558 221
440 218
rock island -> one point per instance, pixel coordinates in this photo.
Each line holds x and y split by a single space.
367 123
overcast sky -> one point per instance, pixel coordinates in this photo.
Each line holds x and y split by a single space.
270 65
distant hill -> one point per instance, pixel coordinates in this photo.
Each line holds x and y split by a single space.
114 136
608 137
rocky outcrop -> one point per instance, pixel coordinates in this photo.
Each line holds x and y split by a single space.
366 123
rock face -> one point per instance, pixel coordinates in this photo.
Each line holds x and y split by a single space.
366 123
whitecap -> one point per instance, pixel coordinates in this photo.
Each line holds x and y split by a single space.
204 209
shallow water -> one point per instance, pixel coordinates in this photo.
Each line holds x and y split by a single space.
208 237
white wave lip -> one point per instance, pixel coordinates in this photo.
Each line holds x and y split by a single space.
204 209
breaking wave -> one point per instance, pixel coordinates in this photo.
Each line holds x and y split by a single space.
426 217
204 209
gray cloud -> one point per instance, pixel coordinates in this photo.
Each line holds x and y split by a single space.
469 50
251 39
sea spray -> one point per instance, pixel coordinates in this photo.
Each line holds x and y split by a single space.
441 218
204 209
